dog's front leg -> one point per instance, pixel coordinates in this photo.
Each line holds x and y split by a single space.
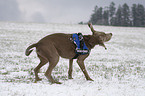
82 66
70 69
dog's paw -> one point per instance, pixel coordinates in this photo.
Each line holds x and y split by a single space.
70 77
35 81
56 82
38 79
90 79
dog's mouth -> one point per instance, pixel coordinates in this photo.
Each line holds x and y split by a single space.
108 37
103 45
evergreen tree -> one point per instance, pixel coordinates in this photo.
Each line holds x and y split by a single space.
99 16
134 14
112 13
93 18
118 18
105 17
140 15
125 15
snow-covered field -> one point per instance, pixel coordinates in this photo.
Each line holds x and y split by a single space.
118 71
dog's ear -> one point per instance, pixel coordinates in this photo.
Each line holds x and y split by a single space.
91 27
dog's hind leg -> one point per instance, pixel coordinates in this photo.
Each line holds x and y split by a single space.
36 70
52 63
70 69
50 54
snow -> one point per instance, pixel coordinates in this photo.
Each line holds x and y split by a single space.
117 71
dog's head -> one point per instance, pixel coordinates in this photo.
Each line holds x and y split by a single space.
100 36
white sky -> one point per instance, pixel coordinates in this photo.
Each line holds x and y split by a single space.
54 11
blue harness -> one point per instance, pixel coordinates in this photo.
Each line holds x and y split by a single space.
81 48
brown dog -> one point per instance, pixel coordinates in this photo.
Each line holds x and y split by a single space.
52 46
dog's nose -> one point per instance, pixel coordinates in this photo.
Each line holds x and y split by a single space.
111 34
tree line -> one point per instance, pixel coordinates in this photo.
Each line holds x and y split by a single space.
121 16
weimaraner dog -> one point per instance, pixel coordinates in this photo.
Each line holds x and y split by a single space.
51 47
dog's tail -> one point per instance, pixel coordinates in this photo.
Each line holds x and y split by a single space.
28 51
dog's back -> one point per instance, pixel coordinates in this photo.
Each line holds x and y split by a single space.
61 42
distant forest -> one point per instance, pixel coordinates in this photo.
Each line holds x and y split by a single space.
121 16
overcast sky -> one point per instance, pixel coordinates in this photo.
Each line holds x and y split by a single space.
54 11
